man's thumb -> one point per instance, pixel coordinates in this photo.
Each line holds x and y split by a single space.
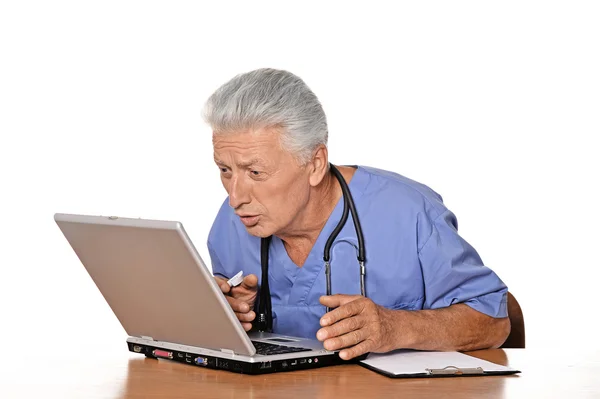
250 281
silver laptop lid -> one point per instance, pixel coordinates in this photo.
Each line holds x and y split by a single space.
155 281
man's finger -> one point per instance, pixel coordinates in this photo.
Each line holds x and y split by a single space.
357 350
249 282
245 317
237 305
347 340
347 305
222 283
247 326
340 328
334 301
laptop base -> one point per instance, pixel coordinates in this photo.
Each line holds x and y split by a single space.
213 362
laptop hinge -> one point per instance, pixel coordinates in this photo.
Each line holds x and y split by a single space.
148 338
228 351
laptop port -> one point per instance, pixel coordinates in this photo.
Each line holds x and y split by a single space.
163 354
265 365
302 361
201 361
137 348
222 364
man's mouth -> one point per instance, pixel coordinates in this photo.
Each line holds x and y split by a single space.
249 220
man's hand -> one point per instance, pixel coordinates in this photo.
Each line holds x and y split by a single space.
357 324
241 298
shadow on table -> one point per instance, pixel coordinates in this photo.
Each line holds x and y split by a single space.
163 378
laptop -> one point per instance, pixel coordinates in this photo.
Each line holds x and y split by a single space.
168 302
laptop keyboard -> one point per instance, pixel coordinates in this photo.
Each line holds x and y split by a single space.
263 348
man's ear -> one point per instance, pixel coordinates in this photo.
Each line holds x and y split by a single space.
319 165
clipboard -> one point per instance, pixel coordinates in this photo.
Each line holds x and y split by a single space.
419 364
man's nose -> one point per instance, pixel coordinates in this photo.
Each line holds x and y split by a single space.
239 193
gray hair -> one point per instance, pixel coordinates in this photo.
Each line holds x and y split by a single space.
267 98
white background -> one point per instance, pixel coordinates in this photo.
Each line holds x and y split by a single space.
493 105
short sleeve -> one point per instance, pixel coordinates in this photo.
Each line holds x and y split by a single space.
217 267
218 239
454 273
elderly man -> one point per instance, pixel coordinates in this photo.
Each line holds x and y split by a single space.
426 288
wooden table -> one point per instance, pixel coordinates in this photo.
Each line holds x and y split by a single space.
551 373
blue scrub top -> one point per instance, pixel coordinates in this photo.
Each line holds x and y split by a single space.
415 257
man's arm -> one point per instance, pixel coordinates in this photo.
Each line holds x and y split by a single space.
361 326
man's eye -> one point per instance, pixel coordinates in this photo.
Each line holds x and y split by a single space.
224 169
255 172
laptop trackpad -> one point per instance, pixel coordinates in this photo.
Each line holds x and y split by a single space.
282 340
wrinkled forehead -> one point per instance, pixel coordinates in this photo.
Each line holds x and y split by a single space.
248 134
249 146
265 138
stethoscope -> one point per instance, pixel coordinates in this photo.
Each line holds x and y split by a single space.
264 321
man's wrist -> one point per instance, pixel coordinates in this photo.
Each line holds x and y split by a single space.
403 335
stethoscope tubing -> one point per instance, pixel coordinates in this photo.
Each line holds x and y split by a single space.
265 315
349 207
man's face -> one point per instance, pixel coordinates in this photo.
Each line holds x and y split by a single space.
267 187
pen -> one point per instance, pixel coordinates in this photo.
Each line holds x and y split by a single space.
236 280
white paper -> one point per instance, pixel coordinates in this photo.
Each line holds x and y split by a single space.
403 362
